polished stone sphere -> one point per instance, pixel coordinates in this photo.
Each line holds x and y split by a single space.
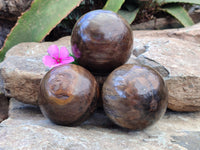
134 96
101 41
68 94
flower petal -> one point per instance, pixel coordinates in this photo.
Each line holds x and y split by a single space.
58 64
64 53
67 60
53 51
48 61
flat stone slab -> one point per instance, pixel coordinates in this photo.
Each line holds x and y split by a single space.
175 54
3 102
26 128
23 69
178 61
3 108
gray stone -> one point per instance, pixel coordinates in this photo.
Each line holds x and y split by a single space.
190 140
26 128
1 85
174 53
3 102
177 60
3 107
190 34
23 69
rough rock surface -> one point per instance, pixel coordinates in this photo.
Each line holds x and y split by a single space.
3 107
23 69
26 128
180 59
3 102
174 53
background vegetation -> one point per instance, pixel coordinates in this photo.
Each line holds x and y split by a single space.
44 16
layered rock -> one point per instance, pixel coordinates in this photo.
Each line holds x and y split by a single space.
3 107
177 61
3 102
23 69
174 53
26 128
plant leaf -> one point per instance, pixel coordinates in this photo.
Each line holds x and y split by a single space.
128 15
38 21
162 2
180 14
113 5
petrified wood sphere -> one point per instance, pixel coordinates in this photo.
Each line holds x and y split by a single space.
68 94
102 41
134 96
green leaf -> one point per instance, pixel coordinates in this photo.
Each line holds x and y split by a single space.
180 14
38 21
75 59
162 2
129 15
113 5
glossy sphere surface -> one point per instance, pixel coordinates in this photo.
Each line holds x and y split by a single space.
68 94
102 41
134 96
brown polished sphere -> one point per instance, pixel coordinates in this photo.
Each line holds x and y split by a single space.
102 41
68 94
134 96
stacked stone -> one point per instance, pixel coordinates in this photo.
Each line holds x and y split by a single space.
175 54
10 10
175 130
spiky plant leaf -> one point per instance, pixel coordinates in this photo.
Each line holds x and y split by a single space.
180 14
162 2
38 21
129 15
113 5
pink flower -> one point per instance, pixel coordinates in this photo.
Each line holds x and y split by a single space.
57 57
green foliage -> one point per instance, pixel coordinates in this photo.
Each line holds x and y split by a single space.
113 5
129 15
38 21
180 14
162 2
64 28
130 9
